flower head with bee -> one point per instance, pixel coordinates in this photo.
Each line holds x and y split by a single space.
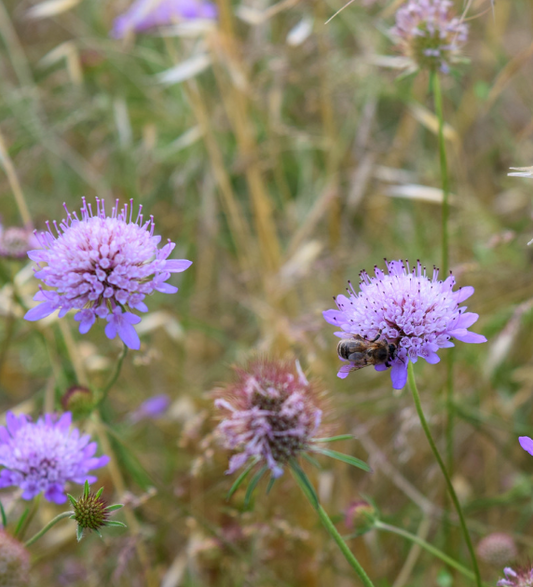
104 267
416 314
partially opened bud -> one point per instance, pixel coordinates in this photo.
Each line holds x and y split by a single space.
360 517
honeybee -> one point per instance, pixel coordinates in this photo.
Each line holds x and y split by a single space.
363 352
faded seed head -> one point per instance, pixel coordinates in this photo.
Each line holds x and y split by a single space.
14 562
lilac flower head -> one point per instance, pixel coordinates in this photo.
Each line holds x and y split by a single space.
42 456
146 14
272 414
406 308
521 577
14 562
103 266
428 33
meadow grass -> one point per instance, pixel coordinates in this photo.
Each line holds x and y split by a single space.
281 170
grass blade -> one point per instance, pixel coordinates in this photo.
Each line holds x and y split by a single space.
304 482
240 479
253 484
334 438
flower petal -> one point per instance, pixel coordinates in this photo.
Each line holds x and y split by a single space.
526 443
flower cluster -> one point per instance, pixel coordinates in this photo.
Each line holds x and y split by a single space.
14 562
146 14
272 414
428 33
42 456
522 577
103 266
406 308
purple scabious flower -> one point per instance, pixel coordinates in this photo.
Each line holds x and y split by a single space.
427 32
272 414
406 308
521 577
146 14
103 266
43 456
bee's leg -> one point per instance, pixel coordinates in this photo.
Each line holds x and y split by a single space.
377 337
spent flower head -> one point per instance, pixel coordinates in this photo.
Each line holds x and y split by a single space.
15 242
497 549
43 456
428 33
91 512
272 414
143 15
417 314
519 577
104 267
14 562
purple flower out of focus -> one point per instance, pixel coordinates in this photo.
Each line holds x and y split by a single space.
146 14
417 314
428 33
272 414
42 456
15 242
103 266
521 577
153 407
526 443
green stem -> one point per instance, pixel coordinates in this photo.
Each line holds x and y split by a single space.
305 484
435 85
451 490
51 523
114 377
427 546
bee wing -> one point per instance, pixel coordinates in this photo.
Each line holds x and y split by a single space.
358 358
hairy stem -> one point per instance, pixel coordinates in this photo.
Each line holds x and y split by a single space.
51 523
451 490
305 485
427 546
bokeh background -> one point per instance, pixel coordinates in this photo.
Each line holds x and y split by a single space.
283 156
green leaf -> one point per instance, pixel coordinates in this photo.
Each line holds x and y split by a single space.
253 484
79 533
72 500
240 479
334 438
86 490
99 492
311 460
112 508
3 515
271 482
21 521
116 523
304 482
355 462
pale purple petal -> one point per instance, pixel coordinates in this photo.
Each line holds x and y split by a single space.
41 311
398 374
526 443
177 265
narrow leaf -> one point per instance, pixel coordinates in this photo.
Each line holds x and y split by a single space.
253 484
311 460
304 482
72 500
79 533
116 523
112 508
3 515
271 482
239 480
21 521
344 458
334 438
